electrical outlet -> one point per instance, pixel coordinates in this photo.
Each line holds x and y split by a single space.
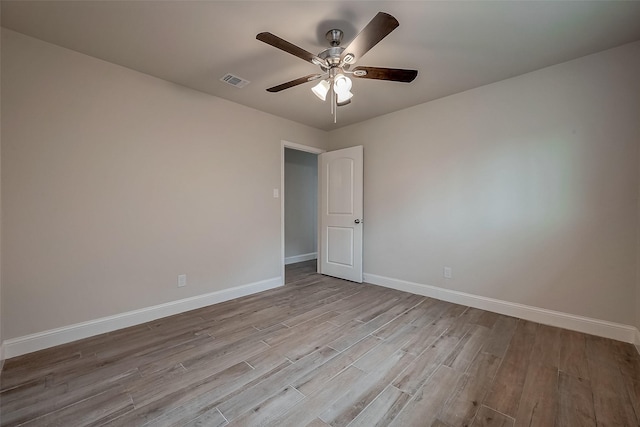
182 280
447 272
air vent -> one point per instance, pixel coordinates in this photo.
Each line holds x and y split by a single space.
236 81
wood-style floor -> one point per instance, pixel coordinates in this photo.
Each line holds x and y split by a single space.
321 351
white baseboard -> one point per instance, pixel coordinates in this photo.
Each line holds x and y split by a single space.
299 258
41 340
602 328
637 341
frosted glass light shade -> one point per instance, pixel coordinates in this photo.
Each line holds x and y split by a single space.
342 85
344 97
321 89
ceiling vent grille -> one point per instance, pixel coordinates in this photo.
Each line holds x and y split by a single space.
236 81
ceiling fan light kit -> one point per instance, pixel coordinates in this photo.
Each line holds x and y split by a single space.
336 61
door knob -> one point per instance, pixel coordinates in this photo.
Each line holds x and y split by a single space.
358 221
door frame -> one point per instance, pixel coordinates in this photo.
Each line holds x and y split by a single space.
300 147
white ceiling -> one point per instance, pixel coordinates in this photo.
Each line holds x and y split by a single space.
455 45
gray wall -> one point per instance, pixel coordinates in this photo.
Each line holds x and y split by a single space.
527 188
115 182
637 299
1 322
300 202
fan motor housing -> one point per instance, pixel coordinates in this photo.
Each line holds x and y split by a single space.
332 55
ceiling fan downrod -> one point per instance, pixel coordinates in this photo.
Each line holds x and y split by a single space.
334 37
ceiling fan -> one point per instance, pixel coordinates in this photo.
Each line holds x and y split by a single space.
336 61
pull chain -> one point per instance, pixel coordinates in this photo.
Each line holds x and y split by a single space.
335 107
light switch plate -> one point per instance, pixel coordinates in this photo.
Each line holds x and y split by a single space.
182 280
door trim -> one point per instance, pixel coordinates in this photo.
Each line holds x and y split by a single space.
300 147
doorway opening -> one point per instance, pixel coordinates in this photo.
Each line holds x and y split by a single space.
299 203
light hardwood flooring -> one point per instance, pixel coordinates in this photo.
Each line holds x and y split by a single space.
321 351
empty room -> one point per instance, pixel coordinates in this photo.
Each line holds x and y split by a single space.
320 213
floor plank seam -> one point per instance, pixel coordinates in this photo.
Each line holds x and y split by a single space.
501 413
338 350
220 412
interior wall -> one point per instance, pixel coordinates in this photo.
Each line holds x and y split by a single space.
638 263
1 321
114 182
526 188
300 202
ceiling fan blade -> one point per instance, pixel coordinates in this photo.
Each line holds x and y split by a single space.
378 28
393 74
295 82
294 50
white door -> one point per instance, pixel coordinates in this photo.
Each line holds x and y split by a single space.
341 213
